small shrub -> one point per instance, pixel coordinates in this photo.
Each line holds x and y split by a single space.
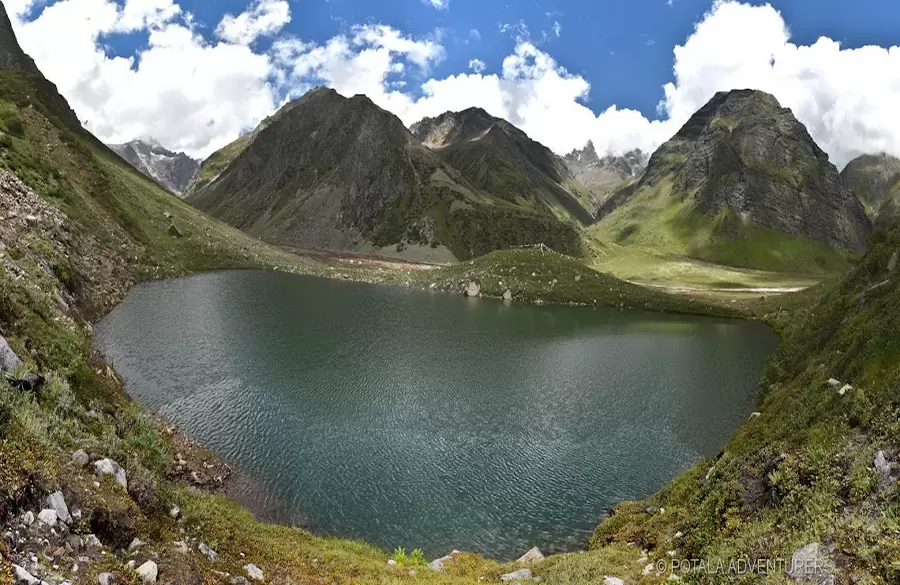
417 557
860 408
143 487
400 556
6 409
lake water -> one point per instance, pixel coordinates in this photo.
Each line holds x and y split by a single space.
427 420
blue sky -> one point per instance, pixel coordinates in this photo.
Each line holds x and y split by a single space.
624 74
623 48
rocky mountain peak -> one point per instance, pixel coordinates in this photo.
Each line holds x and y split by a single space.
744 159
172 170
11 54
874 179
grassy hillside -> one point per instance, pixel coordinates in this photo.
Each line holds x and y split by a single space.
669 223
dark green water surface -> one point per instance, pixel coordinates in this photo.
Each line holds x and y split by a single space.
433 421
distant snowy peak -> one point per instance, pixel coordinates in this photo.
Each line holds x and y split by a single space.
172 170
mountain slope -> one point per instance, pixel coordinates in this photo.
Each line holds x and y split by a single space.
741 183
602 176
500 159
875 180
172 170
338 173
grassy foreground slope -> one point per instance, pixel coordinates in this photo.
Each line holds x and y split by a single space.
818 466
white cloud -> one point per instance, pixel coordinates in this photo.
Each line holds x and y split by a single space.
197 94
265 17
437 4
557 28
187 93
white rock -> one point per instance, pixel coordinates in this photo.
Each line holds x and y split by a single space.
106 579
175 512
472 289
520 575
612 581
57 502
48 517
532 556
754 415
210 553
23 576
507 296
148 572
131 564
846 388
254 572
648 569
392 562
810 564
92 541
28 518
110 467
679 534
834 383
136 544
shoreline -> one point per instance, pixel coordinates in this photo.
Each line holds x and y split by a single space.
242 488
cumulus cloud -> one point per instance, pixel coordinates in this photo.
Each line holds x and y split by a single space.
186 92
437 4
196 94
265 17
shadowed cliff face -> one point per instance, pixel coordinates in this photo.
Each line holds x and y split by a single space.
743 154
497 157
11 54
336 173
874 179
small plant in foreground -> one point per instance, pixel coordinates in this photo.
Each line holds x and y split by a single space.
400 556
417 557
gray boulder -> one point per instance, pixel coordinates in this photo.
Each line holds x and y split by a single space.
80 458
48 517
106 579
612 581
210 553
520 575
472 289
254 572
884 468
532 556
24 577
148 572
57 502
507 296
8 358
811 565
110 467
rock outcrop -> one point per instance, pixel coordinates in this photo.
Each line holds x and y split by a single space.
602 176
172 170
744 173
502 160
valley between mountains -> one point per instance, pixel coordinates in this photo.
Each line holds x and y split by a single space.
94 489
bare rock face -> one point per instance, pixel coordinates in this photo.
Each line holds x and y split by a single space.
501 159
743 153
601 176
11 54
872 178
172 170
